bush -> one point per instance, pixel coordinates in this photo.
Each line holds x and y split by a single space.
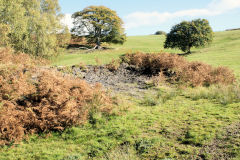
160 33
40 100
152 64
113 65
176 69
200 74
63 38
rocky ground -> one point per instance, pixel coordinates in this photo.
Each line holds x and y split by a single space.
126 79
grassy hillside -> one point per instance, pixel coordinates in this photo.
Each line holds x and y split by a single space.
134 43
164 122
225 50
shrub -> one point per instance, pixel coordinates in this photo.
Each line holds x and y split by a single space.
35 100
79 42
200 74
7 56
176 69
113 65
152 64
14 83
52 103
63 38
160 33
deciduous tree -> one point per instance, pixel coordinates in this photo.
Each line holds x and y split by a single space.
188 34
99 24
33 25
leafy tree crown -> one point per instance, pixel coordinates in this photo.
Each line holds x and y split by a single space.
188 34
31 26
99 24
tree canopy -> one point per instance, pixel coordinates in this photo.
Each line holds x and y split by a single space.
31 26
188 34
99 24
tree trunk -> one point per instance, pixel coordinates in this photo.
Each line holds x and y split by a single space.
98 46
189 49
98 43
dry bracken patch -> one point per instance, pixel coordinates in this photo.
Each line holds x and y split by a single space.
176 69
36 100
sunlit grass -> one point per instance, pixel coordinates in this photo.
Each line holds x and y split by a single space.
173 123
225 50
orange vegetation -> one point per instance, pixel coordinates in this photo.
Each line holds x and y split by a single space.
176 69
34 100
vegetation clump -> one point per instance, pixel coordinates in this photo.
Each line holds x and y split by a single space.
176 69
160 33
113 65
37 100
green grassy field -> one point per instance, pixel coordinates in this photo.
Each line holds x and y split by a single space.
135 43
178 127
225 50
174 123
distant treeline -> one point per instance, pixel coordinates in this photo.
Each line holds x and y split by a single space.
233 29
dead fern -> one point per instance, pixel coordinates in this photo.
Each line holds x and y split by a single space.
176 69
37 100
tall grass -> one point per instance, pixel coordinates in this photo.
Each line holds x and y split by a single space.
223 94
163 94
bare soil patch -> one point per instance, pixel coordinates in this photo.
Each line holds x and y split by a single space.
126 79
